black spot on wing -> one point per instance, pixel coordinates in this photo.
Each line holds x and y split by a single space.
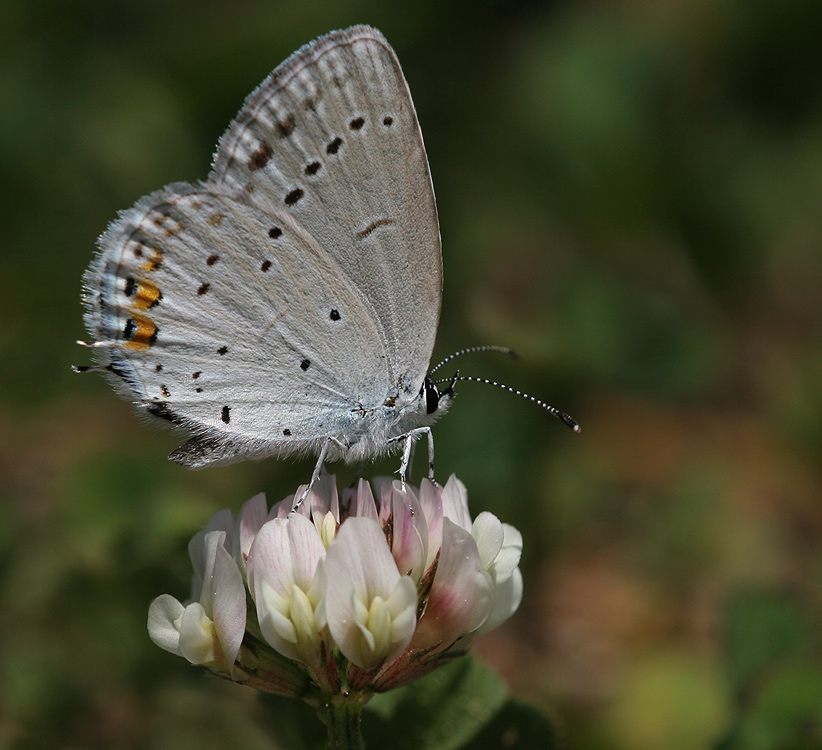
285 127
294 196
260 156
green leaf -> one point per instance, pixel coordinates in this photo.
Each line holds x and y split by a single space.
461 705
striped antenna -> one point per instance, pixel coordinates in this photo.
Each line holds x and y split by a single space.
570 421
471 350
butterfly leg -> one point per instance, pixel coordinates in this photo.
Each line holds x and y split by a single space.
315 475
407 452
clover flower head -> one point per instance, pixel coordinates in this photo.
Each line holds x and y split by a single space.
363 590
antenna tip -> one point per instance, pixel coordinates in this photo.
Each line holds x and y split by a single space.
570 421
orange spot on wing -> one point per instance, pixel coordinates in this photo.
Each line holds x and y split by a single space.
146 296
143 332
155 261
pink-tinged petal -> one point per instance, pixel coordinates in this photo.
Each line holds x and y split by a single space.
461 593
164 617
285 507
221 521
285 552
384 490
410 538
431 503
455 503
488 534
282 566
362 502
229 606
323 499
197 635
361 579
212 541
253 515
507 598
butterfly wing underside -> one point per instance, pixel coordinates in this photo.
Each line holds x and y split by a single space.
264 307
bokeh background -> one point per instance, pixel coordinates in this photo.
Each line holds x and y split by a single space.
630 194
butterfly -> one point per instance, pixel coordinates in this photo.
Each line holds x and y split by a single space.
288 304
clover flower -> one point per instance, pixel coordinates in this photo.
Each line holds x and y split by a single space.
347 595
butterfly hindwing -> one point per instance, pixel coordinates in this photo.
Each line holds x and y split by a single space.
231 322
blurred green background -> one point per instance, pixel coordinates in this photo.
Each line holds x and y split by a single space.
630 194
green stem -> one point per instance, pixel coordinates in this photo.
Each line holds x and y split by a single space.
342 719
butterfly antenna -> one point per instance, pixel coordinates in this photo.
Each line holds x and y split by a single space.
471 350
570 421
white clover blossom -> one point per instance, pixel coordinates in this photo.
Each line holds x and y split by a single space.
368 589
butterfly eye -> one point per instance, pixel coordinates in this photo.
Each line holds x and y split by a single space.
432 396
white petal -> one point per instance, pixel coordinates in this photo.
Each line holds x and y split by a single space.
221 521
305 625
509 556
282 567
359 569
213 541
197 635
229 605
455 503
403 606
507 598
164 617
273 613
327 529
285 552
488 533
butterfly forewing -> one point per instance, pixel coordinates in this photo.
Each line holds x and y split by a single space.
332 136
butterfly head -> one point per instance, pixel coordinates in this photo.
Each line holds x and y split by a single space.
436 400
